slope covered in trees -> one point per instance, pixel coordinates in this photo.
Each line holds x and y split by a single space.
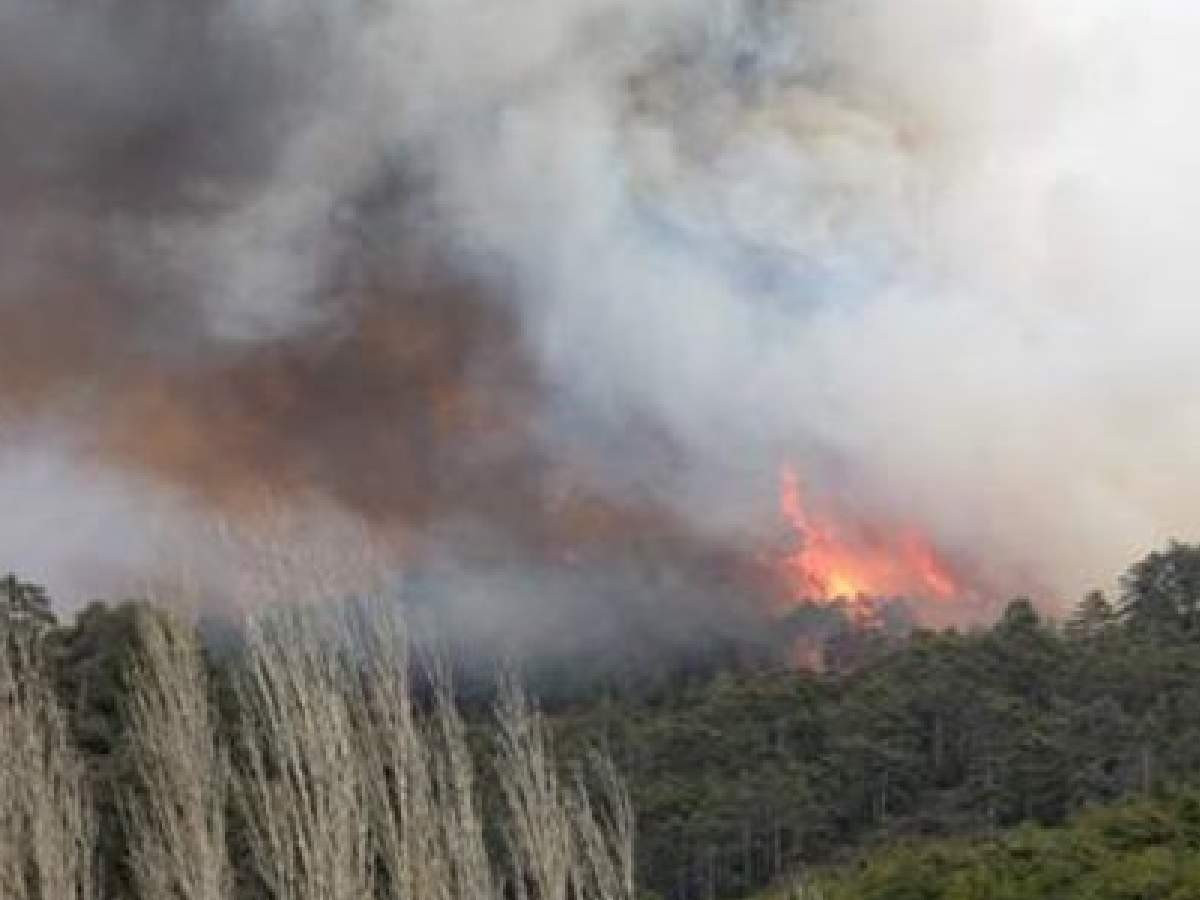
740 779
747 777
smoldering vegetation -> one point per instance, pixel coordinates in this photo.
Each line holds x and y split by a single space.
313 766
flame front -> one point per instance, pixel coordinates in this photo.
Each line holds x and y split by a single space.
830 563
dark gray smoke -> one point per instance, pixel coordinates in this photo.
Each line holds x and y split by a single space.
517 287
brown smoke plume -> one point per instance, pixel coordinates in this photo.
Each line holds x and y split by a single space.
545 291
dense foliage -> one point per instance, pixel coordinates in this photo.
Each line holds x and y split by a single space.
743 777
747 777
1137 850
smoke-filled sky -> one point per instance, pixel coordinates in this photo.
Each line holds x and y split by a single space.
504 284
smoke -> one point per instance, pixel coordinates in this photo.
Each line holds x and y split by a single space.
546 293
52 516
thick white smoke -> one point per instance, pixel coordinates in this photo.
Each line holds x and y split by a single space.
70 520
939 255
945 248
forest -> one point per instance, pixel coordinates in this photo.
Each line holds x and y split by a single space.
1030 758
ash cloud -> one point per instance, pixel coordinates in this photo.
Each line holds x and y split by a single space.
526 285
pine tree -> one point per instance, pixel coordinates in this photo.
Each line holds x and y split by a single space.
1093 617
1161 593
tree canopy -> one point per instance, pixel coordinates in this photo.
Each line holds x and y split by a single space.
937 743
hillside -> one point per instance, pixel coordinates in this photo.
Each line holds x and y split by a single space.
742 778
748 776
1144 848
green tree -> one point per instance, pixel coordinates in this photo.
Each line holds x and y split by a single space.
1092 618
1161 593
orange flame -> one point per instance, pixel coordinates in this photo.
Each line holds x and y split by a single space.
831 563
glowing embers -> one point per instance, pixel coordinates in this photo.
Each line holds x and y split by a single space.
857 567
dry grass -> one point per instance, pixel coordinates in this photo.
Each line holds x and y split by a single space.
561 844
175 808
422 799
345 772
47 826
347 788
304 782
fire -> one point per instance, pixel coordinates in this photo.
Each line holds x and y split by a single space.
830 562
